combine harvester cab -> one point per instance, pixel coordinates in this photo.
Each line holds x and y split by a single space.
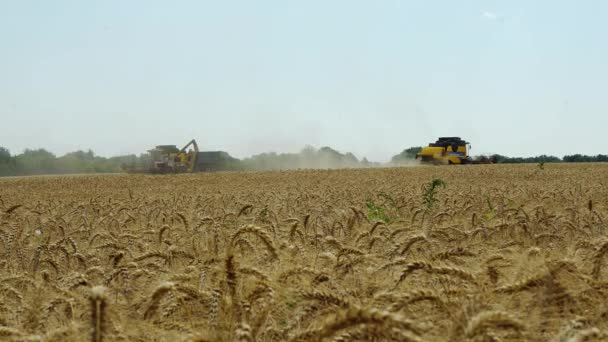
170 159
446 150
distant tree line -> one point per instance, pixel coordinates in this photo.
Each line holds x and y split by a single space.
41 161
579 158
575 158
500 159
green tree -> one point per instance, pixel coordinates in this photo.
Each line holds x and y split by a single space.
5 155
35 162
7 163
406 155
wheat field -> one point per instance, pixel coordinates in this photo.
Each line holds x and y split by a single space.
490 253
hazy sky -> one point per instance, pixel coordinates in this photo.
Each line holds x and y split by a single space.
370 77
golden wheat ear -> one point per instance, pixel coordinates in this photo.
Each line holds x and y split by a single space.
159 293
482 322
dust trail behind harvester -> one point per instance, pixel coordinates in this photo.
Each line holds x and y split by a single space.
323 158
307 158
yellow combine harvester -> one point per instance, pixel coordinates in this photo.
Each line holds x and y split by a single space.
446 150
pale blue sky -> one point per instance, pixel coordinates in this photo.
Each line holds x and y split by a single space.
370 77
